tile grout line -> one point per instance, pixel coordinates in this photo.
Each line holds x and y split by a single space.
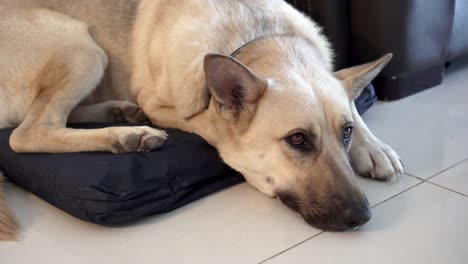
438 174
291 247
445 188
316 235
437 185
446 169
390 198
398 194
411 175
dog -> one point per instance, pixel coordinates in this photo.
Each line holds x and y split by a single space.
254 78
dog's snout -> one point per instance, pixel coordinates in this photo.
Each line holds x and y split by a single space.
289 199
357 215
333 215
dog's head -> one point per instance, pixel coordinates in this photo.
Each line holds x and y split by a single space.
286 123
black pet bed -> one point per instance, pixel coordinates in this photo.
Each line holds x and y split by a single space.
110 189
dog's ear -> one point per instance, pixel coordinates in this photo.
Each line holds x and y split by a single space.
355 79
234 87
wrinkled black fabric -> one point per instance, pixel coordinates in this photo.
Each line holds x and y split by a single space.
110 189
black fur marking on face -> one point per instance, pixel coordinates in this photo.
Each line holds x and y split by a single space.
289 199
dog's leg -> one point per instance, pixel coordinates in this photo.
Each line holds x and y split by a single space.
370 156
108 112
166 117
63 84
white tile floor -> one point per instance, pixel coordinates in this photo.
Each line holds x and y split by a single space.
422 218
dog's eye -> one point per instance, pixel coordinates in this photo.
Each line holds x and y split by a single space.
347 133
297 139
300 140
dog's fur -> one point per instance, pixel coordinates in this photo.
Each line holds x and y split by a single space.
8 225
252 77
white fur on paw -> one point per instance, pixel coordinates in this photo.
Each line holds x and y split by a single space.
376 160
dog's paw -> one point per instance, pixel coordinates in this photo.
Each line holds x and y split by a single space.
376 160
128 112
136 139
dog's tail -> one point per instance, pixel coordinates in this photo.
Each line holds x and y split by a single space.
8 225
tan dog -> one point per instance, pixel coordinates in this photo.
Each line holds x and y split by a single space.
252 77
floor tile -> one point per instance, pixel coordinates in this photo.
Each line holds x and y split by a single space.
429 129
425 225
238 225
378 191
455 178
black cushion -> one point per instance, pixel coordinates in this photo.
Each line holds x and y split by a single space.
110 189
367 98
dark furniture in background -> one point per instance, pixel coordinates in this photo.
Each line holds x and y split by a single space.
422 34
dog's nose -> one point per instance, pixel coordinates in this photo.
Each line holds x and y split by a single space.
357 215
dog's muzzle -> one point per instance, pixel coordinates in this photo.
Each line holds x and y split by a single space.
332 215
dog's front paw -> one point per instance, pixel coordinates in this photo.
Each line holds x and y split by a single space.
136 139
377 160
128 112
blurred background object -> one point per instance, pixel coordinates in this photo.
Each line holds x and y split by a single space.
423 35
